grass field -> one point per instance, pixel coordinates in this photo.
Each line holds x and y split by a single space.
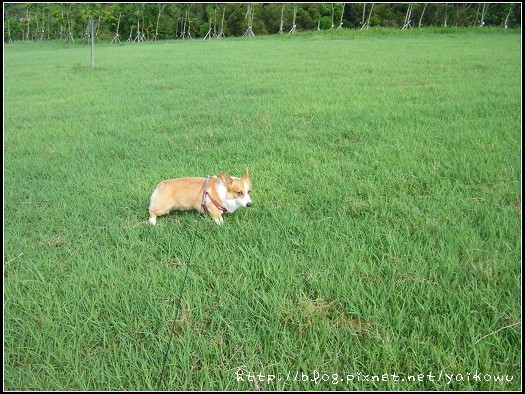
382 250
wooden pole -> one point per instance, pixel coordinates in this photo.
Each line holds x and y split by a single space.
92 44
282 14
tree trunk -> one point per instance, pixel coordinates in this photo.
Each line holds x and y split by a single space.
483 11
161 7
408 15
507 19
422 13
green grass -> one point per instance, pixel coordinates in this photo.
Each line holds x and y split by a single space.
384 236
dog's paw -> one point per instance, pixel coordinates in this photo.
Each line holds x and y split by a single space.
153 220
218 221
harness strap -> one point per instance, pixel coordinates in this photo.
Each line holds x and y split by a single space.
206 194
217 205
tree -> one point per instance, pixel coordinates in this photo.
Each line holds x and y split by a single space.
421 16
509 7
157 21
408 17
483 15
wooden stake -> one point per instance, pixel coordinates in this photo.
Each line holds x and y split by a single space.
92 43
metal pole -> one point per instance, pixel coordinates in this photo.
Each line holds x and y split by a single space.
92 44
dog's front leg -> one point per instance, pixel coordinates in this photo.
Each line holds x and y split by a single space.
217 216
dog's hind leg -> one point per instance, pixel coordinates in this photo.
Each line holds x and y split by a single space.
152 219
153 213
157 207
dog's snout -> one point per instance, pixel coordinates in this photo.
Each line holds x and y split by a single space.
248 204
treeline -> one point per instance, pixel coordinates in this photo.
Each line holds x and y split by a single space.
120 22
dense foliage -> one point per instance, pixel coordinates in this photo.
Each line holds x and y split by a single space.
150 21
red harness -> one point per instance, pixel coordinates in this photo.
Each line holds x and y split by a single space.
206 194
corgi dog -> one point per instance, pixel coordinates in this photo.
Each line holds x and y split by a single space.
213 195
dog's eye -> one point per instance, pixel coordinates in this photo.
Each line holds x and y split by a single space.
239 193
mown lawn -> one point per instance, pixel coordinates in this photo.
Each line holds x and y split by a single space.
382 251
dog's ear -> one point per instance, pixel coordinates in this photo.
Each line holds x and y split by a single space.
245 176
225 179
